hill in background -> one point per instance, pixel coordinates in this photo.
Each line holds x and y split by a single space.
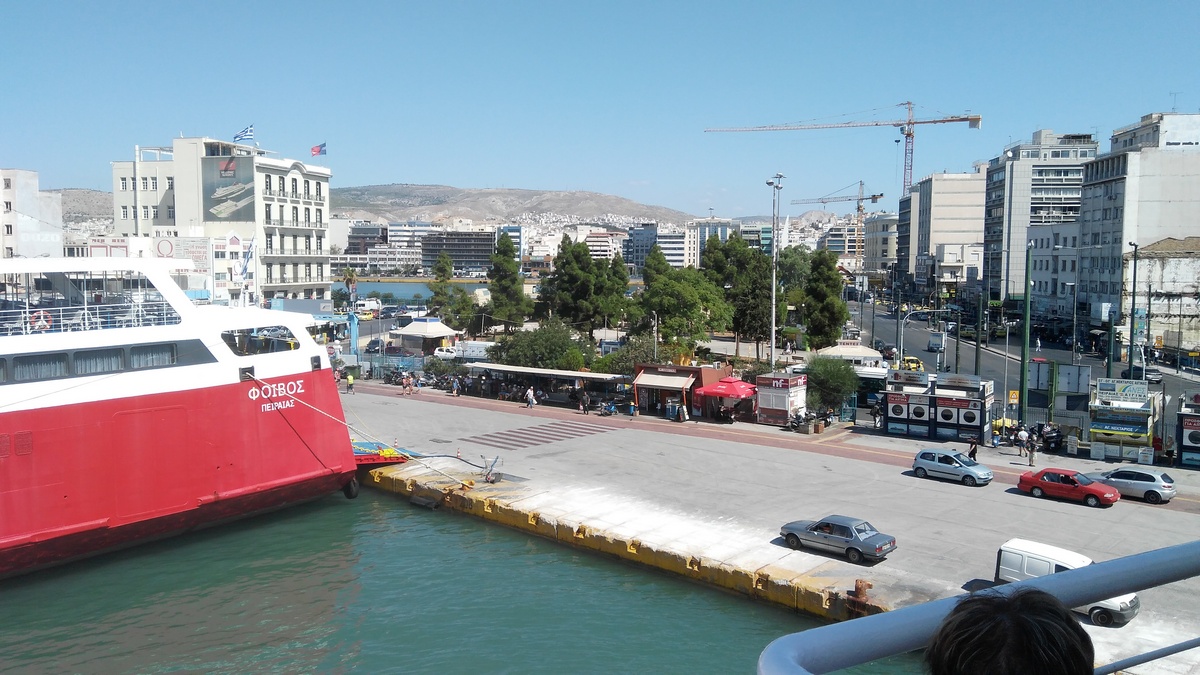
400 202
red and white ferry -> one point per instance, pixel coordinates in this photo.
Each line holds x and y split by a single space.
129 413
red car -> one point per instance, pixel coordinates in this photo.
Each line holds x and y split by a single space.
1067 484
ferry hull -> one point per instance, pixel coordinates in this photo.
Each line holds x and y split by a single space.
82 479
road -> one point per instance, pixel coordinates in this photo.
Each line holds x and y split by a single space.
754 478
992 357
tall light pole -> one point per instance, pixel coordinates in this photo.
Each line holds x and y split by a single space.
1133 305
776 184
1074 316
1024 393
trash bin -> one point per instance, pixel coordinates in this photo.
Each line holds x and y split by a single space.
672 410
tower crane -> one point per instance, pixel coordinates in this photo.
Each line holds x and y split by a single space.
905 126
858 217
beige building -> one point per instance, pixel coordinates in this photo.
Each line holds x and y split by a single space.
948 212
205 189
31 223
879 242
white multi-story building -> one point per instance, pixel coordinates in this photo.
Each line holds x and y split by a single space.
1029 184
605 244
31 223
949 212
721 228
207 189
1144 190
879 242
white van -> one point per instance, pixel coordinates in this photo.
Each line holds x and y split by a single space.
1020 559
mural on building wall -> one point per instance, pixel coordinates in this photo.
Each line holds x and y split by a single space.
228 184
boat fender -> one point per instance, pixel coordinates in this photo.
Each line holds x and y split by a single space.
40 320
351 489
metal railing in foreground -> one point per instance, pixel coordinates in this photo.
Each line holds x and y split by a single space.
858 641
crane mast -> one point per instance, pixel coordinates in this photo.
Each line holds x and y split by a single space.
858 215
906 127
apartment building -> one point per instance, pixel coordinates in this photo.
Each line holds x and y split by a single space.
1142 191
203 189
845 238
469 246
879 242
706 228
31 223
949 212
605 244
1030 184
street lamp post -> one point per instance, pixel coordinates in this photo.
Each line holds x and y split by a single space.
1024 407
1074 317
1133 306
776 184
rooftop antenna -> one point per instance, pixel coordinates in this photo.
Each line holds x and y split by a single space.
1174 99
710 213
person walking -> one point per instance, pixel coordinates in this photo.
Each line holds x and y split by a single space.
973 448
1038 345
530 400
585 401
1032 452
349 383
1022 441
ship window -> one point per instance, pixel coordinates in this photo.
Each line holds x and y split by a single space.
94 361
152 356
245 342
39 367
3 371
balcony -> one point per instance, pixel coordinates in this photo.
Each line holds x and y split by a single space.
296 224
863 640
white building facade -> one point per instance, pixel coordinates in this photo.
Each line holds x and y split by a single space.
879 242
949 211
202 188
31 223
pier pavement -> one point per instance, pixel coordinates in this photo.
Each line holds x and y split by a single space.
706 501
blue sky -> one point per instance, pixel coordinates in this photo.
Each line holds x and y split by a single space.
610 97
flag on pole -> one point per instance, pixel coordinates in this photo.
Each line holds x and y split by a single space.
318 150
246 134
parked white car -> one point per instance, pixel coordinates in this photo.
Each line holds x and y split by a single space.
446 353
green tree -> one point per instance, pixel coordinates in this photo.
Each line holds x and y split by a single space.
611 302
441 289
340 297
570 290
656 265
551 345
687 306
792 266
830 381
507 286
825 312
350 278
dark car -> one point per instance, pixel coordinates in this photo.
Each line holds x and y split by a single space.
374 346
853 537
1150 374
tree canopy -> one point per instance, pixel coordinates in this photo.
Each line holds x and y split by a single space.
507 286
551 345
688 307
582 291
825 313
639 349
830 381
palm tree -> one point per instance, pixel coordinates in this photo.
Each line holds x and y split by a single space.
350 278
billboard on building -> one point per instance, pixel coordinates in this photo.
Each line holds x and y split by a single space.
228 188
196 249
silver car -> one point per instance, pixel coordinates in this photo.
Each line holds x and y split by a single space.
951 465
844 535
1154 486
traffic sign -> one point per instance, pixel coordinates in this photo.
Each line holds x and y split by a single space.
1014 397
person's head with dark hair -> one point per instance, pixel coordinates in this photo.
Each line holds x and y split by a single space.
990 633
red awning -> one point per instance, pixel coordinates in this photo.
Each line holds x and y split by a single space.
728 387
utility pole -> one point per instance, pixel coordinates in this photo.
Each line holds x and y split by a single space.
776 184
1024 393
979 332
1132 306
958 340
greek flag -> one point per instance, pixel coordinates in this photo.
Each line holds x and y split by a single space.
246 134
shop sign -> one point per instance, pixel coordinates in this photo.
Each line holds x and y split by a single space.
959 381
1121 390
908 377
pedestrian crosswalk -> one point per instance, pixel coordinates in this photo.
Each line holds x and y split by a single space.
528 437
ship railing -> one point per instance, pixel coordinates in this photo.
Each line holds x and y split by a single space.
866 639
58 318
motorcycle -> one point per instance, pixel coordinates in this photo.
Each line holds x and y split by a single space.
608 408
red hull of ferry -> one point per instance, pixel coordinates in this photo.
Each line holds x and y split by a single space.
83 479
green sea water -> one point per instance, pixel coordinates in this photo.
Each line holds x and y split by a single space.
376 585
